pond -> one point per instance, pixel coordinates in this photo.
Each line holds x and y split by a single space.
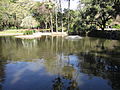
56 63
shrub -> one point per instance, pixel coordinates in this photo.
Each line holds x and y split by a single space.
92 28
13 27
116 26
29 32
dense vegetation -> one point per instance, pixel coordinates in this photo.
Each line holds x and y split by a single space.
31 14
90 15
96 14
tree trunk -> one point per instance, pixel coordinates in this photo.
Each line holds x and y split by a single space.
45 25
51 27
102 29
56 17
61 15
104 26
62 26
56 23
68 14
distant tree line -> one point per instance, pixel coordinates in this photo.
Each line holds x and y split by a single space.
49 14
32 14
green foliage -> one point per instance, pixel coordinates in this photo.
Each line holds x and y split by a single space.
98 13
12 12
72 18
85 1
41 12
13 27
93 28
15 14
116 26
29 22
29 32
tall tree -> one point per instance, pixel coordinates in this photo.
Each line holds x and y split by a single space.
50 6
100 11
68 15
56 16
43 12
61 17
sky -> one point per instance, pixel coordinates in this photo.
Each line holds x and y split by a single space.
64 4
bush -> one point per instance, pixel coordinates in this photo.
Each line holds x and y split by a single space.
92 28
29 32
116 26
13 27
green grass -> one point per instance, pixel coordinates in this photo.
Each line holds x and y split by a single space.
29 32
11 31
26 32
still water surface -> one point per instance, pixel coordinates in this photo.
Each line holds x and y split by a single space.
54 63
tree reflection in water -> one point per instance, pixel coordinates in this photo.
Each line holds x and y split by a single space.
67 75
60 83
57 84
101 66
69 65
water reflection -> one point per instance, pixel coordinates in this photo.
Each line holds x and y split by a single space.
103 67
54 63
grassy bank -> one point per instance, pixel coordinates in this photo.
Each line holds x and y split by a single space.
11 31
14 31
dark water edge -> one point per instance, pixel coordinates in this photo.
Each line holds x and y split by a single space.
55 63
107 34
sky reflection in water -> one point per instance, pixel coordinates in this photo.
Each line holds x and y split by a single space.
54 63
